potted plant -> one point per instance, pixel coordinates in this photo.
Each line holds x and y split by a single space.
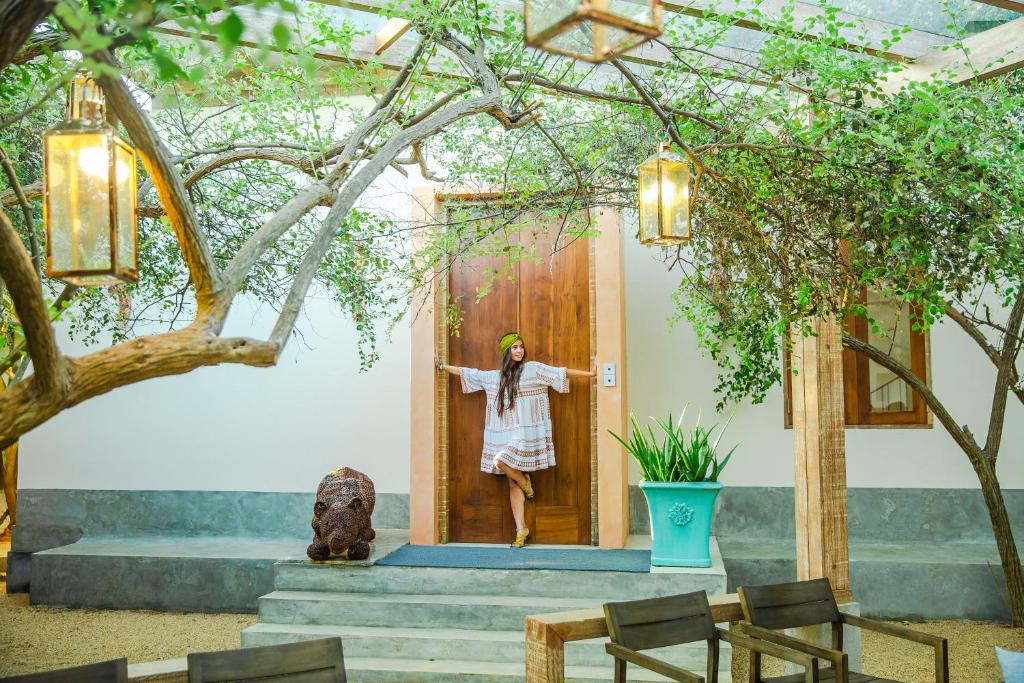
680 483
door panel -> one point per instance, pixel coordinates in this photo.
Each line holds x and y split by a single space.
549 303
478 507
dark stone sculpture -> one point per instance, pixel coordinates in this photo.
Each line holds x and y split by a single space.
341 516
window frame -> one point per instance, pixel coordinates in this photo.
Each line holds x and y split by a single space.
857 411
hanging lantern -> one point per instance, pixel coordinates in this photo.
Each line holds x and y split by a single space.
591 30
89 195
664 199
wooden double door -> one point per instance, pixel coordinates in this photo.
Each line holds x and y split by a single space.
548 303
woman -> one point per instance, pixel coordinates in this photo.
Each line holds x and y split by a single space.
517 426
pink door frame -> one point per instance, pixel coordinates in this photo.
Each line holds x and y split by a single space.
427 513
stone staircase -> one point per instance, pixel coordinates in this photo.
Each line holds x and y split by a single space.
434 624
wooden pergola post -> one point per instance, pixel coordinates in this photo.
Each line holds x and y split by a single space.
822 545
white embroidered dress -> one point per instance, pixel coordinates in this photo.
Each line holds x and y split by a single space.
521 437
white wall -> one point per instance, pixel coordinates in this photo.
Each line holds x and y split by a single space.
666 371
280 429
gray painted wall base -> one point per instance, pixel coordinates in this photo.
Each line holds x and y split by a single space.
915 553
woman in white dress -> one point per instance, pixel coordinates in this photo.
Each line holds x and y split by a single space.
517 424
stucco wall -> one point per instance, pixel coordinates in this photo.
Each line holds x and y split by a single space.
279 429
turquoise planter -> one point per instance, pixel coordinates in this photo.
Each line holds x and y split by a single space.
680 521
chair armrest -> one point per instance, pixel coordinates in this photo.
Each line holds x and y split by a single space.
940 644
893 630
655 665
838 659
764 647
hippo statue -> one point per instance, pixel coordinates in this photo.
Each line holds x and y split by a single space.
341 516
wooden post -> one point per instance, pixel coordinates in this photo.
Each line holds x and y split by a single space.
612 463
822 545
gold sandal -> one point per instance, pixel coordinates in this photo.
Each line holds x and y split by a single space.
528 488
521 536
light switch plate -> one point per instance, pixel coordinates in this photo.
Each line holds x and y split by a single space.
609 374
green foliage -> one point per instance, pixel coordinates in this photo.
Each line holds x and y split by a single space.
682 455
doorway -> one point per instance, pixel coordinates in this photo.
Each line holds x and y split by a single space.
551 304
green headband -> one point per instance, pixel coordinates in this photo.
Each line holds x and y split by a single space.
508 340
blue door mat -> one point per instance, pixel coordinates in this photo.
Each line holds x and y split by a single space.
532 557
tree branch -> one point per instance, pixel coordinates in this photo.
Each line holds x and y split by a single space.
210 294
488 102
60 303
961 435
173 353
979 338
1007 369
27 294
18 18
26 211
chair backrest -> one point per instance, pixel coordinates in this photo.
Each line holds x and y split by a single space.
659 622
789 605
113 671
310 661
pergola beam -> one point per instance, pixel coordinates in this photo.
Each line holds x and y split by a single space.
1012 5
364 50
870 35
877 38
984 55
389 33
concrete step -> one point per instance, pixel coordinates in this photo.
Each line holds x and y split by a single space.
457 644
485 612
601 585
365 670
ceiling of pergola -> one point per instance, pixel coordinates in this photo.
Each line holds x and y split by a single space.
992 30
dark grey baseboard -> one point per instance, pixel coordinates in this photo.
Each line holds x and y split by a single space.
48 518
875 515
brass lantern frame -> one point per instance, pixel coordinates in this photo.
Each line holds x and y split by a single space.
588 10
664 237
85 117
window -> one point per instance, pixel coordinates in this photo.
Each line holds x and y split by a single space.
874 396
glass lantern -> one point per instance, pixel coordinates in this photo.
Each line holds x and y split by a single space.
664 199
89 195
591 30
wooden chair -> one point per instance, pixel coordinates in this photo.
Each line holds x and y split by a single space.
674 620
811 603
114 671
309 661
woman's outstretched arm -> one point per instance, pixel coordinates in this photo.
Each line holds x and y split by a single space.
592 372
450 369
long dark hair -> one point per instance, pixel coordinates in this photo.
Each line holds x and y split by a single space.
508 387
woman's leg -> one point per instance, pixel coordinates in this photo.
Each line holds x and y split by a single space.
518 500
512 473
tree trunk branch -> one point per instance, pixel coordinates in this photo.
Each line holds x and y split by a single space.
961 435
211 301
993 354
173 353
1007 370
26 211
27 294
59 303
18 18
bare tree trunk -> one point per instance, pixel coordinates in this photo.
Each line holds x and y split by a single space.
23 408
9 480
1004 537
18 18
983 465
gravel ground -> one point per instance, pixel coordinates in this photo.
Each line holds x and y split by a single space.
34 638
972 656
